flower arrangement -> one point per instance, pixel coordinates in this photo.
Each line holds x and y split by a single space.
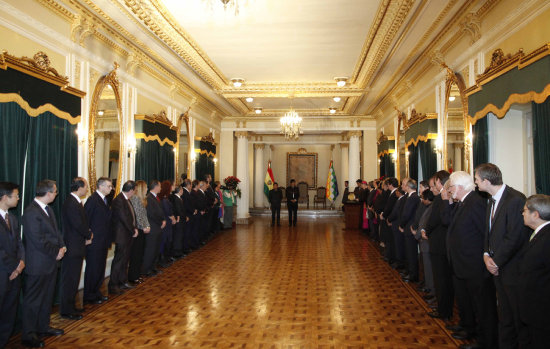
231 183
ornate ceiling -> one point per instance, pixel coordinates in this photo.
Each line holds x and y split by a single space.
289 51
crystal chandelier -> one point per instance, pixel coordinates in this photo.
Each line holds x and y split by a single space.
291 125
236 5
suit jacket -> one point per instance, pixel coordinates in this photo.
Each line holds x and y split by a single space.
99 219
42 240
465 238
345 196
275 197
76 229
123 220
155 214
200 201
507 235
177 205
406 219
381 201
210 196
188 206
437 225
534 280
11 248
390 203
393 217
292 193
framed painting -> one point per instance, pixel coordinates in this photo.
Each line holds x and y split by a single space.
302 166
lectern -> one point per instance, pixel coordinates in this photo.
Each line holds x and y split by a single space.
353 211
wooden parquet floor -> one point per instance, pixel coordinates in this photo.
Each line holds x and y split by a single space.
311 286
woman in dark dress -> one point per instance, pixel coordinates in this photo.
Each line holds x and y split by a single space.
166 188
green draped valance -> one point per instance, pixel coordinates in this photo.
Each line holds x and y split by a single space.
37 88
513 79
150 129
421 131
386 147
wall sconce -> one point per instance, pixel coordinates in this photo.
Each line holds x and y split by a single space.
394 156
175 150
407 153
379 161
81 135
193 156
215 161
131 145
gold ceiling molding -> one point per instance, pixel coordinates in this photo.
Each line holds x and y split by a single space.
292 91
305 112
94 13
160 118
158 19
382 138
418 117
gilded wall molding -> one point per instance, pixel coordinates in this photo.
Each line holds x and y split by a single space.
34 112
154 138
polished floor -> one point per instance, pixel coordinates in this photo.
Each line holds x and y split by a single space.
311 286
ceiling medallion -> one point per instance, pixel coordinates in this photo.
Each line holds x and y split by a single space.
291 125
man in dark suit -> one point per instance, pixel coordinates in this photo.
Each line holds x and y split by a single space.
405 222
212 200
189 236
44 247
436 231
98 212
76 234
179 215
475 291
393 223
346 193
275 197
534 275
358 190
125 230
155 215
389 252
201 200
505 237
12 260
292 196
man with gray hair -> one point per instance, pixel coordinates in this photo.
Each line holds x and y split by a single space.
475 291
406 220
534 273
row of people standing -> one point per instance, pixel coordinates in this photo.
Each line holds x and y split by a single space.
150 229
474 237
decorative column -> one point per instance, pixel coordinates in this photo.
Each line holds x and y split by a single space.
458 157
106 154
259 179
344 166
99 150
242 174
354 163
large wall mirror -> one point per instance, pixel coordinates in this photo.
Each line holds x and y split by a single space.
105 137
183 155
455 152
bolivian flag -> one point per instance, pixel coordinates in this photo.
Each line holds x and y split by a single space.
332 184
268 182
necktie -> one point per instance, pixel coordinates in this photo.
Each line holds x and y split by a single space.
493 204
7 219
105 200
158 199
132 211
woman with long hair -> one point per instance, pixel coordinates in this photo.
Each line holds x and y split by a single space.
139 202
166 188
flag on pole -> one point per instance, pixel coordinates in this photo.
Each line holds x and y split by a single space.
268 182
332 183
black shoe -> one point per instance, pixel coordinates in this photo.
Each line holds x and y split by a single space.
428 297
93 301
33 342
454 328
71 316
52 332
461 335
127 286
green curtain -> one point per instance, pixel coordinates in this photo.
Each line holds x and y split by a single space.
382 166
480 142
52 154
428 158
14 132
389 165
413 162
205 160
154 161
541 146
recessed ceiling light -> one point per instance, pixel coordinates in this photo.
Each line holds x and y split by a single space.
100 113
336 99
237 82
341 82
249 99
332 110
258 110
451 98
